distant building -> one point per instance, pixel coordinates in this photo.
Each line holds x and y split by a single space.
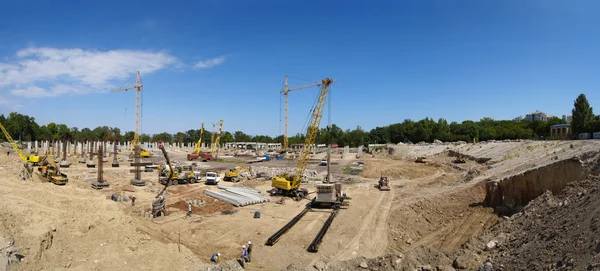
538 115
567 118
519 118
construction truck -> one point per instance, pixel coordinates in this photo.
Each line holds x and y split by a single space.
50 172
179 176
144 153
383 184
30 158
212 177
233 174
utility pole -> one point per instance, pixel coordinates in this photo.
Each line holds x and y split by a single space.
329 154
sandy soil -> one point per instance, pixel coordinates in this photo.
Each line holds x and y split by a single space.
431 207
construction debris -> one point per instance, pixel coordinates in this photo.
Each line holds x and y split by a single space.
237 196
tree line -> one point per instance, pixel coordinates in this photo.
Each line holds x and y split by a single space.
23 127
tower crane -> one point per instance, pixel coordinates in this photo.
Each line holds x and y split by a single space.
290 185
138 87
285 92
196 154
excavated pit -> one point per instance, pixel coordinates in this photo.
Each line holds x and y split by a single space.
510 194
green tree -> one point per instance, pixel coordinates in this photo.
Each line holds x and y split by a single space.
583 115
226 137
240 136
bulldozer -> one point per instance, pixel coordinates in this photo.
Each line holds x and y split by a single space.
421 159
384 183
50 172
233 174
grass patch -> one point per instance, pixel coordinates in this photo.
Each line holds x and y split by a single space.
530 148
347 169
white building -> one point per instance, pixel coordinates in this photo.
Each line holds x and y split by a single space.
519 118
567 118
253 145
538 115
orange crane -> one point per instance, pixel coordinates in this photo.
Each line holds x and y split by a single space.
285 92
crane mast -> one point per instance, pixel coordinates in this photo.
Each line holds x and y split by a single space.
285 92
215 146
138 88
317 114
199 144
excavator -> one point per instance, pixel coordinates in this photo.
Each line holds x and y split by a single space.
30 158
233 173
51 172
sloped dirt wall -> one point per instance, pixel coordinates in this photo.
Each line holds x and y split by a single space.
518 190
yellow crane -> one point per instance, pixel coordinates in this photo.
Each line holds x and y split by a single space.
136 137
290 185
285 92
215 145
196 154
30 158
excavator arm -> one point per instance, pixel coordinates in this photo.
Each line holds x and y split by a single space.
312 132
161 146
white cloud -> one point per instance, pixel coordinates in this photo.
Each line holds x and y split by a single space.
75 71
10 104
209 62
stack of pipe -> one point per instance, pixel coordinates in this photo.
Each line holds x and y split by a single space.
237 196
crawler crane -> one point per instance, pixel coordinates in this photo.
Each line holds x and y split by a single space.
328 195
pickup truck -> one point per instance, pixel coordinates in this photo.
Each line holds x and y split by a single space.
212 178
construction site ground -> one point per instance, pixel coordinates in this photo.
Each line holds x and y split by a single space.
433 207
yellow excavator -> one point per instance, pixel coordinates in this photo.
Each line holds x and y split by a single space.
30 158
290 185
233 173
50 172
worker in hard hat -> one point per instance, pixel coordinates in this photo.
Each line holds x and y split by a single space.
244 253
215 257
249 251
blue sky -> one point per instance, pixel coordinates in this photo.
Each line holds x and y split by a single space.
211 60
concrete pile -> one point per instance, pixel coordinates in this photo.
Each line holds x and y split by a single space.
269 172
237 196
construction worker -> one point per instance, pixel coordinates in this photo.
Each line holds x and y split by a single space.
215 257
132 200
249 251
244 254
189 213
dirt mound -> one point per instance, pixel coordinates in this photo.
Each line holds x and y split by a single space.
553 232
421 258
211 206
